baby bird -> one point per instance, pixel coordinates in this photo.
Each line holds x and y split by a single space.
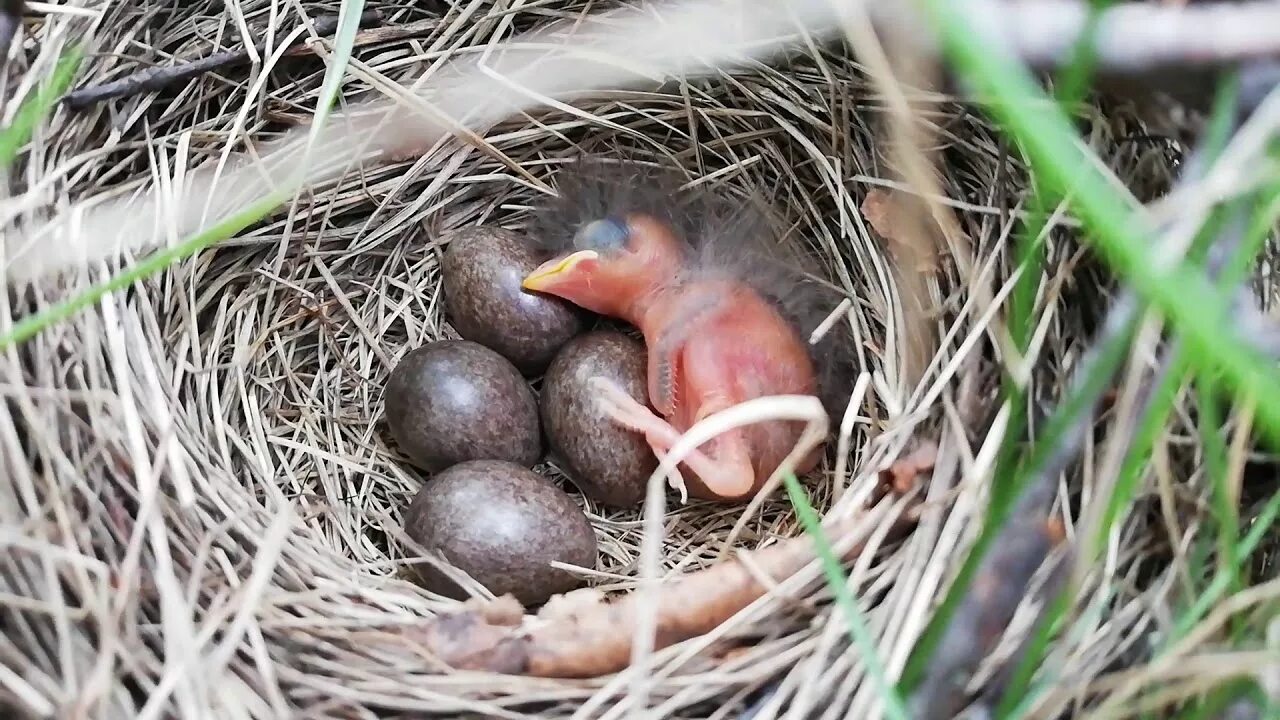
703 280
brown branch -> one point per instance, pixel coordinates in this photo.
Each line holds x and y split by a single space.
1135 38
160 77
580 635
1138 47
689 38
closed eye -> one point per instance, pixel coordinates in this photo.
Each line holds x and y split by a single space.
606 234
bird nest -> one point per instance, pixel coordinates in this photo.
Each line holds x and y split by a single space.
203 508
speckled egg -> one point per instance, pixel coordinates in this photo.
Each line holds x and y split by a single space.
503 525
607 462
481 272
455 400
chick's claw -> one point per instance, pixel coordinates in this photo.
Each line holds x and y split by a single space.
676 479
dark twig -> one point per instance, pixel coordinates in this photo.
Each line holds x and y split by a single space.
1017 551
1022 543
757 706
1056 579
159 77
1181 47
10 19
982 617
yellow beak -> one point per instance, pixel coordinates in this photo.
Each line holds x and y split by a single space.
540 279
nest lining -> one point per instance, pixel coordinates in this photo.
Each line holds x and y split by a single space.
208 497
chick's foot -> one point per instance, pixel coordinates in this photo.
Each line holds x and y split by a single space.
632 415
717 475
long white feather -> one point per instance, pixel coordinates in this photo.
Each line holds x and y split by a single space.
670 38
667 40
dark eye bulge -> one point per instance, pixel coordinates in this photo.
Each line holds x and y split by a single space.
607 234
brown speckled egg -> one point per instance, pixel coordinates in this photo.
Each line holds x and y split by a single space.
607 462
481 272
503 525
455 400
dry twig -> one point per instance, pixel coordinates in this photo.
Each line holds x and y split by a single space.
580 635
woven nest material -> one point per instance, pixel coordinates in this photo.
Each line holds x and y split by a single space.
201 505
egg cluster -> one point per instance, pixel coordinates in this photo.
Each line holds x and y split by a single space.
463 410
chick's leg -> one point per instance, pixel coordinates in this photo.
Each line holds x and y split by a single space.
729 473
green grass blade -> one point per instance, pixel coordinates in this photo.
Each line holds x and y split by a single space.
1233 273
1071 88
1117 231
1221 583
1222 119
1215 703
895 707
1136 460
38 107
1064 419
344 43
1073 83
1090 618
32 325
1192 306
349 19
1215 461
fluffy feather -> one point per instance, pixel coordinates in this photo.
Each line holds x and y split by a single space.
722 235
